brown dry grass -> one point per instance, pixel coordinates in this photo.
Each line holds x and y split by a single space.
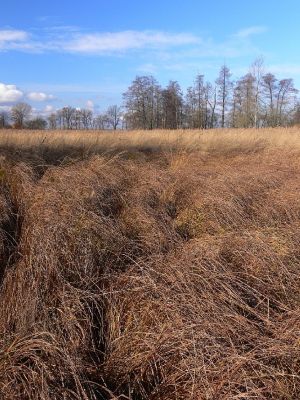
167 271
53 145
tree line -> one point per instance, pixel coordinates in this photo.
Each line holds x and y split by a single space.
68 117
257 99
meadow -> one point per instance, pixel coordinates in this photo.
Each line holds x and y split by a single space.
158 265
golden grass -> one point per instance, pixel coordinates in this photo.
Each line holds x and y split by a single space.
164 267
205 141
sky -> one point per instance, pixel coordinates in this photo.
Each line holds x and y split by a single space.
86 53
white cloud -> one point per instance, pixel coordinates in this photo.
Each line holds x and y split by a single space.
250 31
12 39
39 96
99 43
9 93
12 36
73 40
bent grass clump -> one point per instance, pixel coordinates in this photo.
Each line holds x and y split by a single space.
172 275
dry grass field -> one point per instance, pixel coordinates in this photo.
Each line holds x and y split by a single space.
150 265
55 145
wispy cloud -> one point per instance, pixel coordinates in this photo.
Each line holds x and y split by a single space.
250 31
9 38
71 39
161 43
101 43
12 35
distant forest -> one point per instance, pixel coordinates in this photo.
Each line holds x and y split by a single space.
257 99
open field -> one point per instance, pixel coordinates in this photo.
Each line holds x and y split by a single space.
57 144
150 265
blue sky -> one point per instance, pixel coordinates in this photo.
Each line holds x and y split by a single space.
85 54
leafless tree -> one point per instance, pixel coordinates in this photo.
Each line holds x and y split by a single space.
257 70
52 121
197 104
257 99
36 123
19 114
211 93
86 117
66 115
269 84
224 86
244 103
296 116
113 114
142 101
4 119
172 106
285 100
100 122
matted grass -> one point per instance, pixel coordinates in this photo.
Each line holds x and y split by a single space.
150 265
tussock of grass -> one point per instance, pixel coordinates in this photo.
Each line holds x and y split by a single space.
170 275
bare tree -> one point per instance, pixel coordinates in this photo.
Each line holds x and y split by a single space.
244 103
66 116
199 90
86 118
224 86
100 122
4 119
197 104
19 114
296 116
172 106
113 114
269 84
142 101
76 119
285 100
211 98
257 70
256 99
36 123
52 121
